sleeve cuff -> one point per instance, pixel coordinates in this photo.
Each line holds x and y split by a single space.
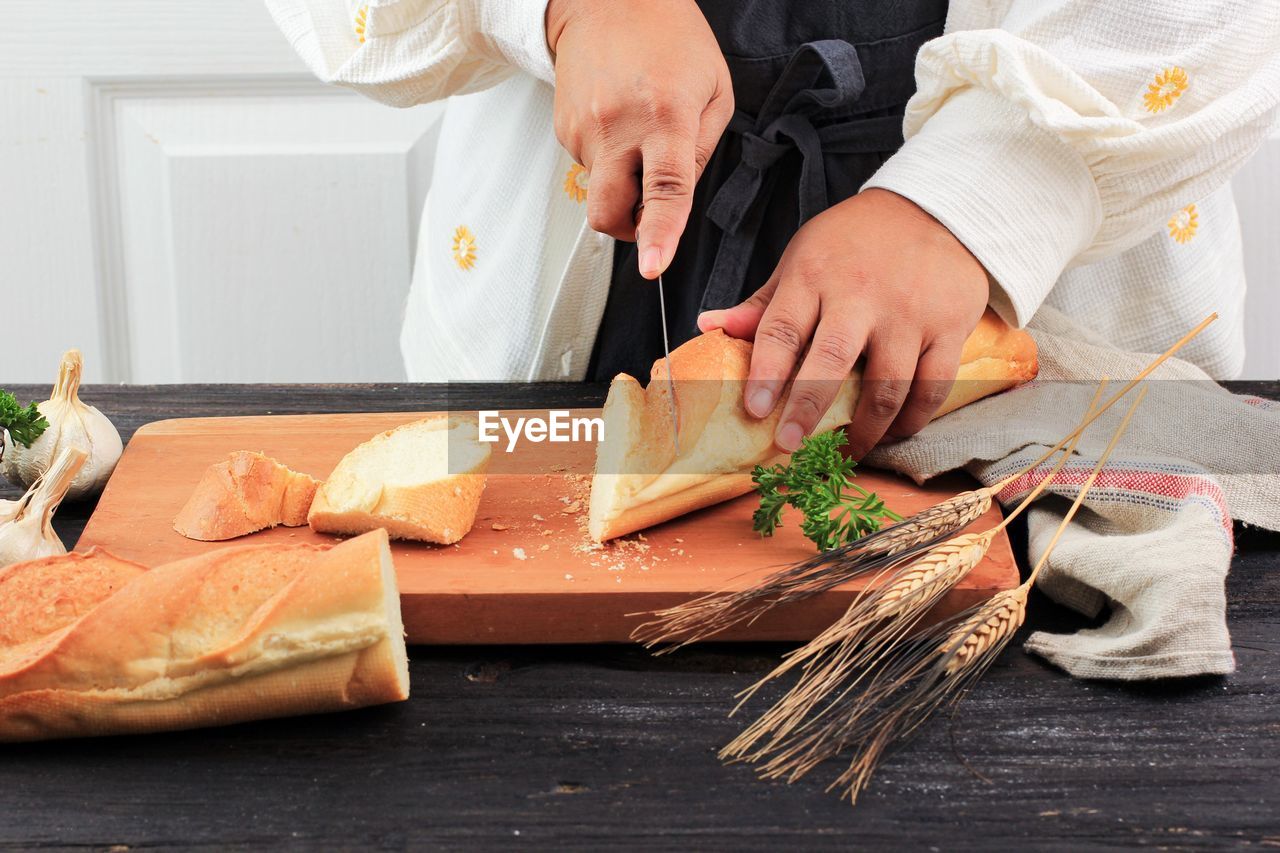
515 32
1018 197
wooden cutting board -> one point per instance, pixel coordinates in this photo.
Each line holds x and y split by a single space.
527 572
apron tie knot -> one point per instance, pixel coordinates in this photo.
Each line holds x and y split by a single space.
821 77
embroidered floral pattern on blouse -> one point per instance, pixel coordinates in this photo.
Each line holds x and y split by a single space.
362 21
464 247
1183 225
1167 88
576 181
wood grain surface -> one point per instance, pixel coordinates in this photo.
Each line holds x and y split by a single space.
527 572
579 747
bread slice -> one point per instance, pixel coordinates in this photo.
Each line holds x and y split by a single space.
243 494
241 633
420 481
639 481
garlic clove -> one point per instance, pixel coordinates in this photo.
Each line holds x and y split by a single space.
29 534
72 423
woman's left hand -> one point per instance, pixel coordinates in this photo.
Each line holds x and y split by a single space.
873 275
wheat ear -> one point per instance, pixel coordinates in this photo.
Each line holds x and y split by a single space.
716 612
944 566
904 683
864 632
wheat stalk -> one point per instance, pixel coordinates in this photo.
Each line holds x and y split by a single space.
716 612
865 632
866 700
909 591
1115 398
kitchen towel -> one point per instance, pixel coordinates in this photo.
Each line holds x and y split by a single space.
1153 541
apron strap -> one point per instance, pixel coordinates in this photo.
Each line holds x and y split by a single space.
785 124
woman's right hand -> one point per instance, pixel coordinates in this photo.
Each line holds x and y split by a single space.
642 97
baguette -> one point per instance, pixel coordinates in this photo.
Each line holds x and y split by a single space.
420 481
40 597
241 633
639 481
243 494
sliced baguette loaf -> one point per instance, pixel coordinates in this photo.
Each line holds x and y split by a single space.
639 481
245 493
42 596
422 481
241 633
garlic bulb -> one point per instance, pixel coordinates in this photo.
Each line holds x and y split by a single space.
71 424
28 534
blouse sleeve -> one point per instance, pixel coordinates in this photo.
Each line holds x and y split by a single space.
1046 134
406 52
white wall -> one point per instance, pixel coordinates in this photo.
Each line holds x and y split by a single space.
183 202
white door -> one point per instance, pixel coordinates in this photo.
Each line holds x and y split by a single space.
180 199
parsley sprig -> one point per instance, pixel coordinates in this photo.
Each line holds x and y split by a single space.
818 481
24 424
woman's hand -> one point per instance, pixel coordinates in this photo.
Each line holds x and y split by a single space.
641 90
873 275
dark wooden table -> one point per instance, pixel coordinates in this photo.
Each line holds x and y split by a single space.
560 747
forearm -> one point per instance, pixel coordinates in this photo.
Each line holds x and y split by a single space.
1061 139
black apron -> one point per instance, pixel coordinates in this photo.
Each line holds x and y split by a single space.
820 88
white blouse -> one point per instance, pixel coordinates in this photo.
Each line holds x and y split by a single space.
1081 151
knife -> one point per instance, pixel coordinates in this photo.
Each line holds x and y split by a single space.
666 348
671 382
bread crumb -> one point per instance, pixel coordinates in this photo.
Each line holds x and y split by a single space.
518 553
537 517
679 541
563 499
544 547
568 577
547 532
497 526
570 509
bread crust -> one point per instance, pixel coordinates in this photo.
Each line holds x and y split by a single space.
639 481
243 494
240 633
42 596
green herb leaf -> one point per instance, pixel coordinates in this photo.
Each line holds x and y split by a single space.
24 425
818 481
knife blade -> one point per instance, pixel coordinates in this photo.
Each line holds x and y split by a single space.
671 382
666 347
